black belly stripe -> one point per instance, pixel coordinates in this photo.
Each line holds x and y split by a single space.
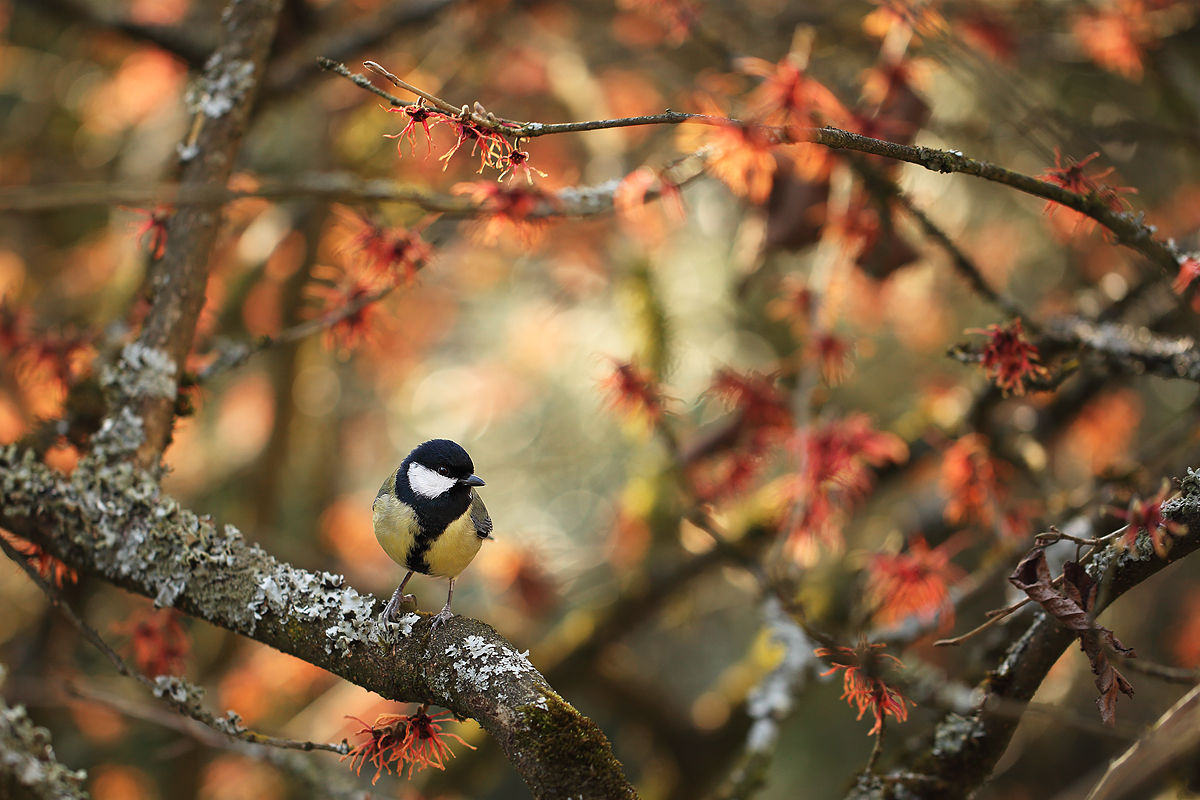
415 560
417 556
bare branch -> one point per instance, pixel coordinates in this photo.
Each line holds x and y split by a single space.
1131 349
299 68
222 104
174 40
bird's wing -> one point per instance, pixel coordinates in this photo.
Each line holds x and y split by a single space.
479 516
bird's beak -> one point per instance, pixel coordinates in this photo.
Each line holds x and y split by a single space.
474 480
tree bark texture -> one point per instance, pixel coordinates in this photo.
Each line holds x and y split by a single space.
221 102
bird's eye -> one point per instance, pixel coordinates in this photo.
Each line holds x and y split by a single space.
443 471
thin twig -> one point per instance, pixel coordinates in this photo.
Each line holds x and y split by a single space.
226 726
408 87
239 353
882 185
1183 675
877 750
1129 229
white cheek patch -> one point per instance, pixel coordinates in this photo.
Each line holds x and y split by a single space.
428 483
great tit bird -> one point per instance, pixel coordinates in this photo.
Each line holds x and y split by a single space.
429 518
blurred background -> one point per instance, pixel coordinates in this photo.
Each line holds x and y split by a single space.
509 343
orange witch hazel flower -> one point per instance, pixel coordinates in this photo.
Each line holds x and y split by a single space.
833 354
507 208
1071 176
861 685
397 740
397 253
970 481
629 200
679 17
743 158
1115 38
1189 270
158 642
348 305
46 565
916 583
790 96
1008 357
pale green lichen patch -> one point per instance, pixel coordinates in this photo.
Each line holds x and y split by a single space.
141 372
28 767
222 84
479 664
310 596
953 734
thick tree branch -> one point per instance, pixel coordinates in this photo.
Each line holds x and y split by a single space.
111 519
576 201
966 748
221 103
1131 349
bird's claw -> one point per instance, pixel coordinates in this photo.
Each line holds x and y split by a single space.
393 605
442 616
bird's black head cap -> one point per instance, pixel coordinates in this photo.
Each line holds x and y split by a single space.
443 454
435 500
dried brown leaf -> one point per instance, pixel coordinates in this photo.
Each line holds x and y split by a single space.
1070 606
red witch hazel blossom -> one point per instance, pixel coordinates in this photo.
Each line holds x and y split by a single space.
633 390
515 161
490 145
418 114
861 685
837 456
507 209
352 288
1008 357
49 567
396 253
1071 177
397 740
152 231
763 420
1146 515
1189 270
158 642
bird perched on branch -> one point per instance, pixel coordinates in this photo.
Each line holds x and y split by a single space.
429 518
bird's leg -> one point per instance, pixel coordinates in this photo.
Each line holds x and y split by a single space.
398 597
445 614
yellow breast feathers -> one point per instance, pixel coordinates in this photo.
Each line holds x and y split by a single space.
395 527
450 553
